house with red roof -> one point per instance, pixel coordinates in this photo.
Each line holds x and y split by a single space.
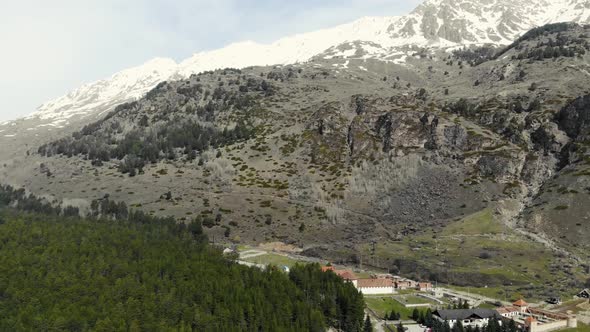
347 275
402 283
424 286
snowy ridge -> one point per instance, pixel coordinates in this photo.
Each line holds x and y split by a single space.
435 23
298 48
127 84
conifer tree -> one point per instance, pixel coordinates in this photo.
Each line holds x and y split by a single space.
368 327
415 314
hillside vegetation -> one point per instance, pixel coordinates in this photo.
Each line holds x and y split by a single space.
147 274
446 162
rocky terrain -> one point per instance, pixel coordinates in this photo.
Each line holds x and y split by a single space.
468 166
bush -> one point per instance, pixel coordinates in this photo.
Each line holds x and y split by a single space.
485 255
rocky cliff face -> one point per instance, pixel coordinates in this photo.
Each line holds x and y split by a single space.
476 21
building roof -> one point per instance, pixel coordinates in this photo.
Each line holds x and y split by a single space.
461 314
345 274
327 268
368 283
529 320
424 284
520 303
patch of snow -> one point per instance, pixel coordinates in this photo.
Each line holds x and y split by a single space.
401 60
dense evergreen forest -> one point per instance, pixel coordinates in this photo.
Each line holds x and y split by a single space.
133 272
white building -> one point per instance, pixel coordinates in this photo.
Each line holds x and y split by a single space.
375 286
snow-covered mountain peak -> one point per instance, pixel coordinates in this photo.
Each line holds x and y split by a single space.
293 49
483 21
98 96
434 23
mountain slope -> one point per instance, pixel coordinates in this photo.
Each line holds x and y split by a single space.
440 163
435 23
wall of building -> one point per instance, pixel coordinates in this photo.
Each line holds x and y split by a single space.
549 326
510 314
572 322
479 322
376 290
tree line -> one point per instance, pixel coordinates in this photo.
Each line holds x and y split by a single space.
123 270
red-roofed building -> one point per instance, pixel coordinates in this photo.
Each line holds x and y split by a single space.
522 305
531 323
346 275
405 284
424 286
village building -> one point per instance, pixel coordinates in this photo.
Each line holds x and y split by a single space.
508 312
379 284
402 283
467 317
374 286
521 305
536 320
347 275
424 286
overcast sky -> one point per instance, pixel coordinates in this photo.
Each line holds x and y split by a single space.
50 47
